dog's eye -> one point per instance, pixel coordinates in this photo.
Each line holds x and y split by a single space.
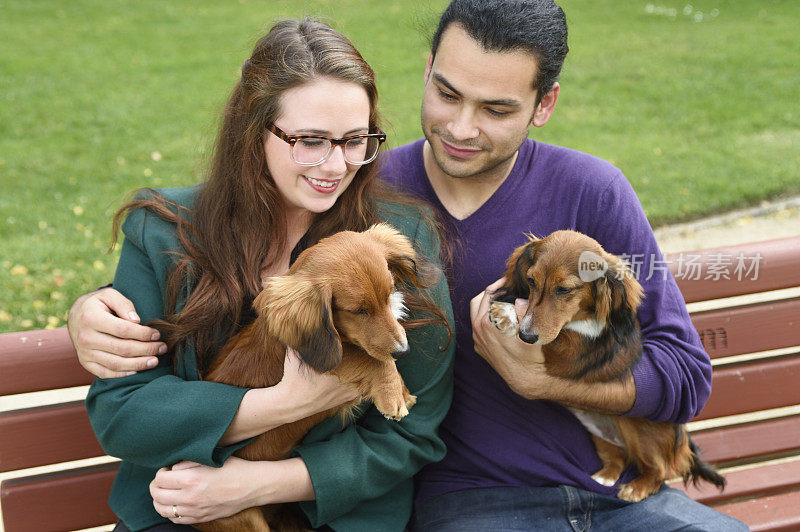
561 290
532 283
359 311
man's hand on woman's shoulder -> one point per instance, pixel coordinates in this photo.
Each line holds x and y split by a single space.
110 342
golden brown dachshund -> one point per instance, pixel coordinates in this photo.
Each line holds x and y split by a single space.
339 308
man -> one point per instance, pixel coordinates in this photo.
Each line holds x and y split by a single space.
517 459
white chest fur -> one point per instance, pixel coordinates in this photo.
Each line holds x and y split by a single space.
601 425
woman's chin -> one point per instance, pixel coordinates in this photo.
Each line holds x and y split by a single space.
319 206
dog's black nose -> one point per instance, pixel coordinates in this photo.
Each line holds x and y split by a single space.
528 337
397 355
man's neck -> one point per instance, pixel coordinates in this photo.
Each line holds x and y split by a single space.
462 196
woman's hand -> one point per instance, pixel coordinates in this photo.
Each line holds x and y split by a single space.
199 493
311 392
302 392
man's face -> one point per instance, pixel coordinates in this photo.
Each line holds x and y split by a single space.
478 106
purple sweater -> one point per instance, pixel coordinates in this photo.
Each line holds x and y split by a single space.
495 437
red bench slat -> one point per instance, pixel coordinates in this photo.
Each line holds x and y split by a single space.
757 482
39 360
741 442
66 500
776 270
778 513
46 435
750 328
754 386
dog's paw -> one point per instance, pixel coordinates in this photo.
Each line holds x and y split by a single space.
631 494
504 317
637 490
395 408
401 413
604 480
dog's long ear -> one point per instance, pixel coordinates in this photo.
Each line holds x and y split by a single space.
298 313
403 268
516 275
633 290
617 297
400 255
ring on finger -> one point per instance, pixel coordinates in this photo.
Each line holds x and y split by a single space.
175 512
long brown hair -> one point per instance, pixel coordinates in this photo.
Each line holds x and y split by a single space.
238 214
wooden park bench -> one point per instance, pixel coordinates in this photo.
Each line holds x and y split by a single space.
750 427
70 499
758 453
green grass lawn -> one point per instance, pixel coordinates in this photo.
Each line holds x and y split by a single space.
697 104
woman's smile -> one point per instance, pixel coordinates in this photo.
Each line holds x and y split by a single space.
326 186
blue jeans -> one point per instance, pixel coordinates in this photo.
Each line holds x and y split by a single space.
565 508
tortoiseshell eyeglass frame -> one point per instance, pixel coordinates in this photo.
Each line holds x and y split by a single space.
292 139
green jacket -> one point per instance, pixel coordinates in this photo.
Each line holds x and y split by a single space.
362 473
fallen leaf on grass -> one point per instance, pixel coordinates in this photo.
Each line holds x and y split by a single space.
19 269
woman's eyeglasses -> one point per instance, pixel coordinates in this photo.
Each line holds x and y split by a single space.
311 150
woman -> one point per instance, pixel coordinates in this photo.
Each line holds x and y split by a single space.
195 257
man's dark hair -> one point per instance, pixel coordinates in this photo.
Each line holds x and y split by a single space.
537 26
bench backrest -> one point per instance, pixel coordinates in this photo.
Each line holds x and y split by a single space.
750 426
75 496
